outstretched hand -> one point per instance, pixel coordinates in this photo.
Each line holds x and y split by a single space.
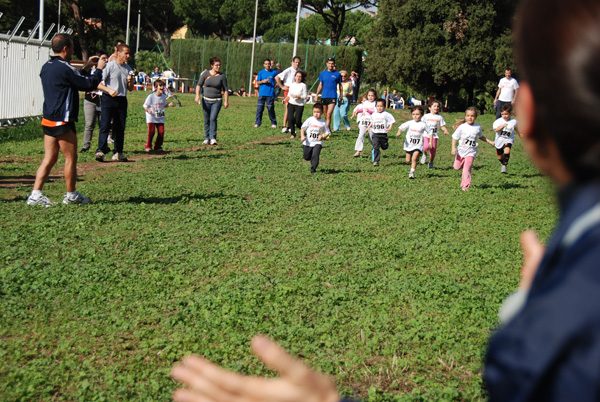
206 381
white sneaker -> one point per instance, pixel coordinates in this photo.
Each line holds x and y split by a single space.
357 154
283 130
42 200
503 169
119 156
110 140
77 199
423 159
411 175
205 142
256 126
213 142
100 156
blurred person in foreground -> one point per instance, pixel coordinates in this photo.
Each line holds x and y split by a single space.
548 345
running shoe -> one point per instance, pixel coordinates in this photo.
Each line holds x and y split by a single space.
78 198
100 156
205 142
119 156
357 154
213 142
411 175
42 201
283 130
503 169
430 166
375 163
423 158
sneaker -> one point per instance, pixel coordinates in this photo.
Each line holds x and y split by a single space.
348 128
205 142
411 175
375 163
283 130
77 199
357 154
256 126
430 166
464 188
275 126
100 156
147 149
292 137
118 156
213 142
503 169
423 158
110 140
42 200
84 149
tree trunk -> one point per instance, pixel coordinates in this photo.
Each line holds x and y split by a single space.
79 27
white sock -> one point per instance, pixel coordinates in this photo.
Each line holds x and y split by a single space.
71 195
36 193
412 170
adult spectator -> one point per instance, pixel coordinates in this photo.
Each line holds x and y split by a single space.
113 56
401 101
548 345
393 98
241 92
156 73
508 88
61 83
340 112
355 84
92 104
215 94
118 76
330 82
284 80
266 94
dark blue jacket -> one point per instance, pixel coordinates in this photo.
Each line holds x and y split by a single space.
550 350
61 83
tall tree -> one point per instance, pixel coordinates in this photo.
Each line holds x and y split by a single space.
440 45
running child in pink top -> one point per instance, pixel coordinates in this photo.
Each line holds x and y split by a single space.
467 133
414 142
365 109
155 115
435 123
505 128
381 124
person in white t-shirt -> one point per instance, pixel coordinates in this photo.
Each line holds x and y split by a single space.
435 123
380 125
414 142
313 132
155 115
508 88
466 133
505 128
296 97
284 80
363 114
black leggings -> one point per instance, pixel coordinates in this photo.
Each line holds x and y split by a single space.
294 117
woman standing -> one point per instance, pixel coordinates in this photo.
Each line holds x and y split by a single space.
213 85
341 108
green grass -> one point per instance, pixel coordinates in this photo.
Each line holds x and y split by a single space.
390 285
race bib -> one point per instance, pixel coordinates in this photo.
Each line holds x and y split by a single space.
415 140
379 126
159 114
505 134
470 143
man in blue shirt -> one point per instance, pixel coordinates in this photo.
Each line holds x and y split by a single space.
266 94
330 82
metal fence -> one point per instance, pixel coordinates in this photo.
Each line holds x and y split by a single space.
21 59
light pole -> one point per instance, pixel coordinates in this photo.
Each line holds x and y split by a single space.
253 43
297 27
127 28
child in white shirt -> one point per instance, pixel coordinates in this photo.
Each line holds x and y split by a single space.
313 132
154 105
414 142
365 109
505 128
381 124
435 122
467 132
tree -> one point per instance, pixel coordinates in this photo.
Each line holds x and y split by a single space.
441 45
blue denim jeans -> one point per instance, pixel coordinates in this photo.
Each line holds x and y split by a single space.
211 111
260 107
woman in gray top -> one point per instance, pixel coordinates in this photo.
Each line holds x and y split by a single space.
214 95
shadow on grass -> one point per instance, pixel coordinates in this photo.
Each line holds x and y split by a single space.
25 180
180 199
504 186
530 176
268 144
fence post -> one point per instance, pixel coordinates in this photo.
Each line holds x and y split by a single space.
227 59
179 62
306 58
279 52
203 51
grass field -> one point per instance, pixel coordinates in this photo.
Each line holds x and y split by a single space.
390 285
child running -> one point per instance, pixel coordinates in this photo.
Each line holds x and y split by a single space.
416 129
297 94
467 132
505 128
365 109
381 124
435 122
155 115
313 132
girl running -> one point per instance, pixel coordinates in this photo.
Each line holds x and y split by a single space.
435 122
467 132
505 128
366 109
416 131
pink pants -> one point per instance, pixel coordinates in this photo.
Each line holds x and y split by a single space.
160 127
433 149
466 164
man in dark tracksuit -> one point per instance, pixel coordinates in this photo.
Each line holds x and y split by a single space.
61 83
